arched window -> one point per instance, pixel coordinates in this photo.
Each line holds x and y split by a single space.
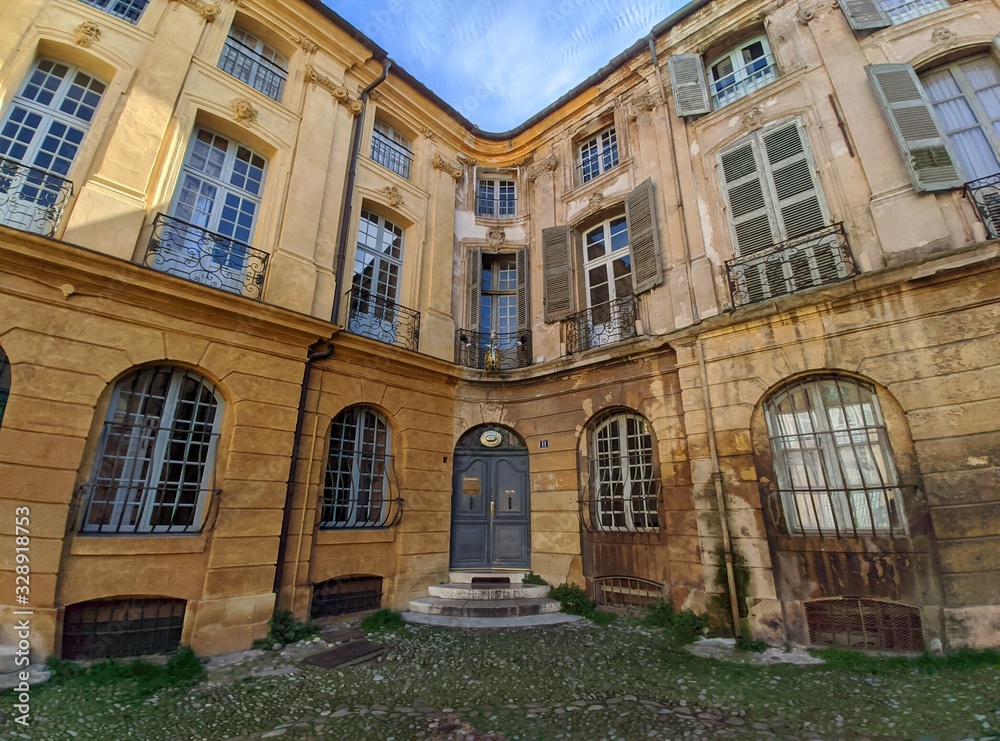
624 490
832 460
154 464
356 492
4 383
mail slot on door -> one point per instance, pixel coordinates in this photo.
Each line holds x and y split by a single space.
507 500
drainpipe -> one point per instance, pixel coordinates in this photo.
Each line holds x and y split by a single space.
727 543
352 169
317 351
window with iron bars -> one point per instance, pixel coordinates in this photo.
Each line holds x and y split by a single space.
128 626
346 595
391 149
356 492
250 60
624 492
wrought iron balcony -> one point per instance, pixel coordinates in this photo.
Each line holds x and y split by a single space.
391 155
494 351
31 199
250 66
383 320
602 324
985 196
496 208
201 256
814 259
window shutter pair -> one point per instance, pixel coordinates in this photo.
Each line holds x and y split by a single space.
476 284
559 245
770 188
687 78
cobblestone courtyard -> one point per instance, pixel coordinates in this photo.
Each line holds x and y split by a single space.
578 681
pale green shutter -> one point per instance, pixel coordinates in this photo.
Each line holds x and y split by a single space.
523 319
925 151
864 14
687 78
475 286
749 215
799 207
557 269
640 213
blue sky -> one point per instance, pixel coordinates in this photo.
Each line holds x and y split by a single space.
498 63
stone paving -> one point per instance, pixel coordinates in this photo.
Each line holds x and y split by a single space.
576 681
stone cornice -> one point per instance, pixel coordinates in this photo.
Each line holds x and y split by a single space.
339 93
449 168
548 164
208 11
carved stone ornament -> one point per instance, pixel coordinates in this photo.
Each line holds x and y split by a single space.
392 195
426 132
306 44
595 202
340 93
752 119
208 11
375 96
644 104
87 33
805 15
944 36
541 167
243 110
467 160
496 236
449 168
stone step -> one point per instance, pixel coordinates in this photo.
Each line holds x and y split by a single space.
488 591
522 621
466 577
479 608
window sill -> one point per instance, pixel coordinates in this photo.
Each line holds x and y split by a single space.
580 190
96 544
348 536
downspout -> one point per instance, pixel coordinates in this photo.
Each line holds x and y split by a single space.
352 170
317 351
727 543
685 244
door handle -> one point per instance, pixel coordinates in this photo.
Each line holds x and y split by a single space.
493 509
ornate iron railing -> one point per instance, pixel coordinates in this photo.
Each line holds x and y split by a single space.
496 208
136 508
250 66
602 324
205 257
127 10
742 81
814 259
391 155
494 351
845 513
383 320
31 199
363 498
985 196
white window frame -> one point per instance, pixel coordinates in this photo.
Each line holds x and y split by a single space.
135 470
598 154
496 198
254 62
129 11
356 484
391 149
744 75
900 11
621 465
604 325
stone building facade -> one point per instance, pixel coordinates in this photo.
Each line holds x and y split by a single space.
281 329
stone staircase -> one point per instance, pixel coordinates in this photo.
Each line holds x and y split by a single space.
486 600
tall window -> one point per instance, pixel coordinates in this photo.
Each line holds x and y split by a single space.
872 14
965 96
598 154
43 128
4 383
496 199
624 489
391 149
607 268
250 60
740 71
156 455
378 263
832 459
127 10
356 492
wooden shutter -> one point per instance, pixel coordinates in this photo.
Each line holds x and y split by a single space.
523 319
924 149
475 286
640 213
687 78
557 269
749 207
797 196
864 14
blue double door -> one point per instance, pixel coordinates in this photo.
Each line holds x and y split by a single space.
490 518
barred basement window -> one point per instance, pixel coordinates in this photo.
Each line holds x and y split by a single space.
130 626
864 624
345 595
626 592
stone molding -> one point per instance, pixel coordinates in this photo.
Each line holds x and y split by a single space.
752 120
449 168
943 36
306 44
339 93
392 195
208 11
243 110
87 34
467 160
496 236
548 164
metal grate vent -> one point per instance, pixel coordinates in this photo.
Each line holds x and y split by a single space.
122 627
345 595
864 624
626 591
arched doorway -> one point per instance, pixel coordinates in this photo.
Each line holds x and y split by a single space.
490 515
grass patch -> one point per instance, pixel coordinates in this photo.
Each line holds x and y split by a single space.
679 628
860 662
183 670
383 620
575 601
285 629
746 642
532 578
